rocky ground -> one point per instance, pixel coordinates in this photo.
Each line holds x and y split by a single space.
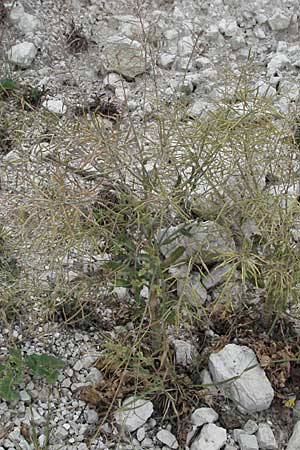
116 58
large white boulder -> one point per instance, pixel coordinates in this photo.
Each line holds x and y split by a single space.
247 384
133 414
22 54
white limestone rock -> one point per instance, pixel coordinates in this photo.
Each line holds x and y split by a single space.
228 26
249 387
24 22
204 415
278 62
208 241
55 106
184 352
192 289
265 437
248 442
186 46
166 60
216 276
167 438
200 108
211 437
279 21
133 414
265 90
22 55
294 442
250 427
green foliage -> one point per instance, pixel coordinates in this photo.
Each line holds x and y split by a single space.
14 369
7 87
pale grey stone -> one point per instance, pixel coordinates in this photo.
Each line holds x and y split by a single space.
296 409
277 63
204 415
141 434
94 376
185 352
66 383
228 26
248 442
237 41
265 437
91 416
250 427
279 21
186 46
265 90
24 396
26 23
216 276
132 27
134 413
289 90
55 106
211 437
33 414
22 54
125 58
247 384
20 442
294 441
85 362
192 289
207 242
200 108
237 433
147 443
167 438
207 381
166 60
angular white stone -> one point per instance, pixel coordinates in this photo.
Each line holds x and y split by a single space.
204 415
134 413
184 352
250 427
279 21
55 106
215 276
141 434
94 376
192 289
167 438
278 62
166 60
294 442
265 437
228 27
22 54
210 438
247 383
265 90
248 442
26 23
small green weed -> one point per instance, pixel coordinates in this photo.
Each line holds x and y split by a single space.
13 370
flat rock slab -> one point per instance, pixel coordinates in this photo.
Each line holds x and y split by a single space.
134 413
125 59
247 383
